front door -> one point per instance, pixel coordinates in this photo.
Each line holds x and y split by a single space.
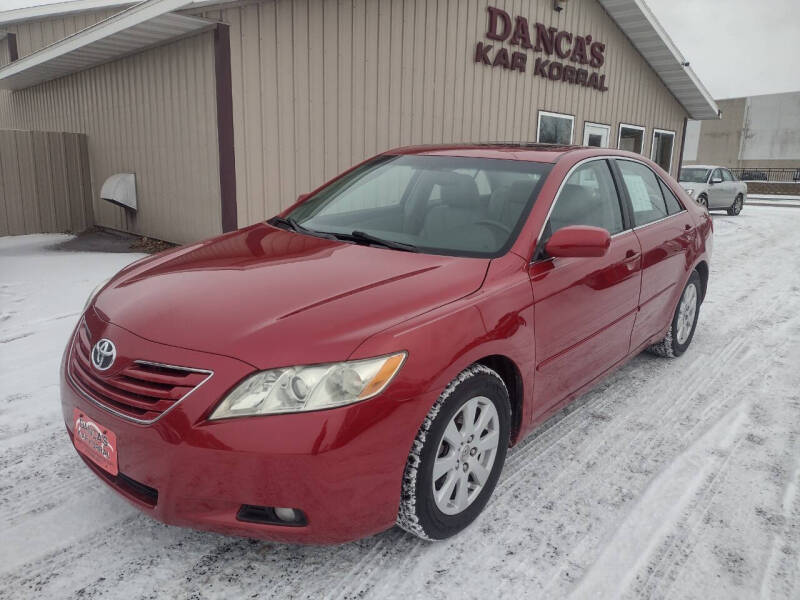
595 134
584 308
716 191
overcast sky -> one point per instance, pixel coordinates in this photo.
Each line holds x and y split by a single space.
736 47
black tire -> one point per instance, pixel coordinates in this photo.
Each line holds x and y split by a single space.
669 346
418 513
702 200
737 206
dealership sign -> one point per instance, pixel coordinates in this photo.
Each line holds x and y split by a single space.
569 58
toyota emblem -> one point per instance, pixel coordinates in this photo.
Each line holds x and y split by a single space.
103 355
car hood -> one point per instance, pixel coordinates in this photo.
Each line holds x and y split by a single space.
276 298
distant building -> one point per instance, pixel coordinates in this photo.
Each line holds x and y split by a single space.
757 132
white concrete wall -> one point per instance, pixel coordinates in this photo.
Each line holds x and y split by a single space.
772 128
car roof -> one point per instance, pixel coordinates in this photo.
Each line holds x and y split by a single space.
546 153
703 167
540 153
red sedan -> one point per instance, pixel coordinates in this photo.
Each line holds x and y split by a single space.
367 357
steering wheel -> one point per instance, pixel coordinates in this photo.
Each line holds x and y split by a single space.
496 224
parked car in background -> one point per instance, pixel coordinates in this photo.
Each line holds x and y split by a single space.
714 187
367 357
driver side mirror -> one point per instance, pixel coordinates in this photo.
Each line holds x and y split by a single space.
716 180
578 241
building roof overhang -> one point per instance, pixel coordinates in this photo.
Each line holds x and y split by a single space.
647 35
137 28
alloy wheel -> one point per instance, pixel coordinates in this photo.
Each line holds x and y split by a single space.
466 455
686 313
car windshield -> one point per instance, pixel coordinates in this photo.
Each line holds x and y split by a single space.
458 206
694 175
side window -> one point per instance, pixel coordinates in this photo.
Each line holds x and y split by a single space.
644 192
717 174
588 197
726 175
674 205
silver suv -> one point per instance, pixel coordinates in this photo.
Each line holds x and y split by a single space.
714 187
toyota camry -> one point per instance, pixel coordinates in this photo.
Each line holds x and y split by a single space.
367 357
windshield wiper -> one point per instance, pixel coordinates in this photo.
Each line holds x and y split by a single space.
291 224
287 222
361 237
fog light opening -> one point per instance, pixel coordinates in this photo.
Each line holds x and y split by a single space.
269 515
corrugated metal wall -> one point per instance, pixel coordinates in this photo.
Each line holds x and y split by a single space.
44 182
152 114
318 85
321 84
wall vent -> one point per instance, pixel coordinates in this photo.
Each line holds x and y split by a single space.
120 189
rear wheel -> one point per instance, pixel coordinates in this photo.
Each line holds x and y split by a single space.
737 205
457 456
684 321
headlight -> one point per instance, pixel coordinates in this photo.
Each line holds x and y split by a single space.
94 293
690 191
314 387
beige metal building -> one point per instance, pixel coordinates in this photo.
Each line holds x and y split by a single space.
224 112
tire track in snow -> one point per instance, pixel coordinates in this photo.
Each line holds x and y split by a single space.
671 491
778 548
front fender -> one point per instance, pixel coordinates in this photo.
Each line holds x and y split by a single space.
495 320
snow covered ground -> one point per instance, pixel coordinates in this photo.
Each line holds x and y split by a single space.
672 479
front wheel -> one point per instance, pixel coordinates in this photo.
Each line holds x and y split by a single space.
457 456
737 206
684 321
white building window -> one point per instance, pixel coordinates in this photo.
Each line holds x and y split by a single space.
631 138
661 152
555 128
596 134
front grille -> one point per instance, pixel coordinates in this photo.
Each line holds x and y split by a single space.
142 391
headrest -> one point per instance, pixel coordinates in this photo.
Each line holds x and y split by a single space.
458 190
574 193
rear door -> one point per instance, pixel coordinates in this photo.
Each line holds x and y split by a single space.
584 307
665 231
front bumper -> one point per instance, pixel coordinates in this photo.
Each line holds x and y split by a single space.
342 467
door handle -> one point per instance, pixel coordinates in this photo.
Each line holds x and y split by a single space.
631 254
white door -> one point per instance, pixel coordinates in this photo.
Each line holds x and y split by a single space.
596 135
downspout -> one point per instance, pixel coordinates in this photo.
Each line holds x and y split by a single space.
227 158
683 145
13 53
